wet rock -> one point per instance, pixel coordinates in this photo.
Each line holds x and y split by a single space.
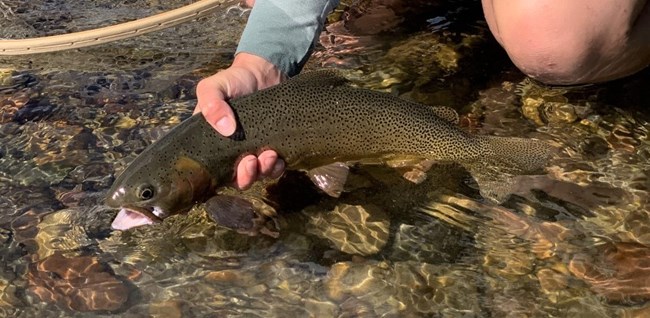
552 282
12 82
167 309
640 312
24 228
84 140
34 110
16 201
355 307
637 228
349 279
321 308
79 283
352 229
428 289
554 105
558 113
622 138
228 277
425 56
8 299
5 77
11 104
377 16
530 109
81 184
404 289
78 196
594 148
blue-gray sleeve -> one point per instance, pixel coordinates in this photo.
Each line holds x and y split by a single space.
284 31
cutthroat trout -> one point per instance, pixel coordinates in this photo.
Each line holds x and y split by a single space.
314 121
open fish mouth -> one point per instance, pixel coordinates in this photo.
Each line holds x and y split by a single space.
130 217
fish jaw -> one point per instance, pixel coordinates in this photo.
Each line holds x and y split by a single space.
129 218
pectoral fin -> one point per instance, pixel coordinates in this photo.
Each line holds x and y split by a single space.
330 178
231 211
241 215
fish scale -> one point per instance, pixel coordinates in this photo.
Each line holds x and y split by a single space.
310 120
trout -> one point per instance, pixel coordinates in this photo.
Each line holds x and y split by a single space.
315 121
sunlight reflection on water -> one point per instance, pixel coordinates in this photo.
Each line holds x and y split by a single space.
573 242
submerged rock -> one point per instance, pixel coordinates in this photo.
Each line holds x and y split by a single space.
79 283
57 232
620 271
405 289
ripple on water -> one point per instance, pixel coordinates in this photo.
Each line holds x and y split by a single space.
352 229
571 243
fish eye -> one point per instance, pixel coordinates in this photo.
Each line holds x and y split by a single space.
145 192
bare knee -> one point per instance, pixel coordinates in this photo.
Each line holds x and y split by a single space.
551 60
572 42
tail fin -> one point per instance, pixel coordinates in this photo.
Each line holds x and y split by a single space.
505 158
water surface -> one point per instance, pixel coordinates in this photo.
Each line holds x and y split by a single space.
571 242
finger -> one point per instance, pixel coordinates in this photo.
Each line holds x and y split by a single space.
211 102
267 163
246 172
278 169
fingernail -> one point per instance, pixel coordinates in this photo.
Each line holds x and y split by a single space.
251 166
225 126
278 169
268 162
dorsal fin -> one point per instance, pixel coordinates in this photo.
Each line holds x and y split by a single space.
446 113
319 78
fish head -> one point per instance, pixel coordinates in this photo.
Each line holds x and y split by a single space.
149 193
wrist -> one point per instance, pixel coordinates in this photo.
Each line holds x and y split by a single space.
265 72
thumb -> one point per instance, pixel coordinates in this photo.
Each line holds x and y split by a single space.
217 112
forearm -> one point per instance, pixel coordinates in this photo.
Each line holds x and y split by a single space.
284 31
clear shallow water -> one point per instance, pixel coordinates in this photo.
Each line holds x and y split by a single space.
572 242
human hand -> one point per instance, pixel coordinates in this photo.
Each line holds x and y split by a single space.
247 74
